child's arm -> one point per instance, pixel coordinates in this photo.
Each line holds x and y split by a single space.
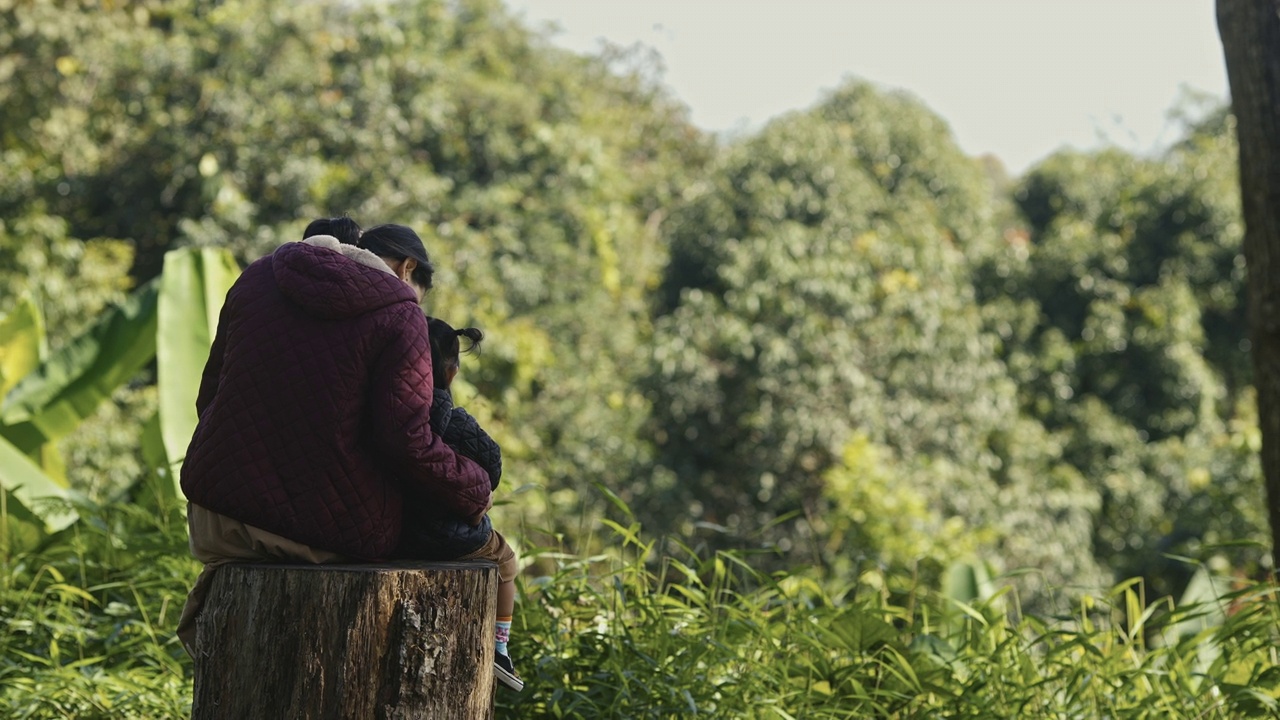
400 399
464 434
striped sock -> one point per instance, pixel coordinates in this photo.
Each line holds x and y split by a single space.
501 634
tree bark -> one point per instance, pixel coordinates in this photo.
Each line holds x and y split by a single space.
1250 31
412 640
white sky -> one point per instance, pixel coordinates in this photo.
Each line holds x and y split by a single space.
1017 78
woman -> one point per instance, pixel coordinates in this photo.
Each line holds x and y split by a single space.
314 413
402 250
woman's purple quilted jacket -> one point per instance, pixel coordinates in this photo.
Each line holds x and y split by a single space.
315 407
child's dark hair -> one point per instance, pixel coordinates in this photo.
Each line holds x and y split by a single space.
399 242
445 347
344 228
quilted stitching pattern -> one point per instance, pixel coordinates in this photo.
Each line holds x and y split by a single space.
430 532
463 433
314 407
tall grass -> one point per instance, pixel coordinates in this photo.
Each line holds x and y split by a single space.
657 631
663 635
88 617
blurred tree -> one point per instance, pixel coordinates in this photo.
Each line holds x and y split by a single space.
536 177
1122 320
74 282
818 330
838 338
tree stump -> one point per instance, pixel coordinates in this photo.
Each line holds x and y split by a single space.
304 642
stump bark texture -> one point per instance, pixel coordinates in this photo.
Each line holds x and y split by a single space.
410 640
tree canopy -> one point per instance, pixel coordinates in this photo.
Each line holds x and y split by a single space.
837 340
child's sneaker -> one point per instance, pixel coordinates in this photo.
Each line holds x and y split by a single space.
506 672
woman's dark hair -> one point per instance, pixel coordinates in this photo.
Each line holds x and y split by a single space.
445 347
399 242
344 228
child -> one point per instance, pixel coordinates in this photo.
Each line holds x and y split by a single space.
429 532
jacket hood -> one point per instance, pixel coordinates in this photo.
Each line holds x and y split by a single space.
331 280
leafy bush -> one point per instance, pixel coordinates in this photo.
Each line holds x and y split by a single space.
89 615
838 339
655 630
604 637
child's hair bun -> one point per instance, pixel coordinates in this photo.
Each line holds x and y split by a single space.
472 334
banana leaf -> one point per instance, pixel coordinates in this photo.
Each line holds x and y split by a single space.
152 445
50 402
22 344
192 289
23 347
28 492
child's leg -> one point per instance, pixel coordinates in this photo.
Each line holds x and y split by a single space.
506 598
506 595
500 552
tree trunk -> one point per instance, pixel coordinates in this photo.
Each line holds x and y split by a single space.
1250 31
412 640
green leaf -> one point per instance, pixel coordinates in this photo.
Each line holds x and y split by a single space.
1201 607
192 289
934 646
22 344
152 444
962 583
52 401
857 632
51 462
968 582
612 497
32 490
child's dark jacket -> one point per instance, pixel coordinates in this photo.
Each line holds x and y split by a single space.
431 531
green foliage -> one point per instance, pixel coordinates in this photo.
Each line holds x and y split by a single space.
89 616
873 520
22 349
682 635
880 365
766 360
27 492
73 283
821 290
52 401
22 343
59 396
1130 346
192 289
536 177
647 632
71 280
88 624
707 331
